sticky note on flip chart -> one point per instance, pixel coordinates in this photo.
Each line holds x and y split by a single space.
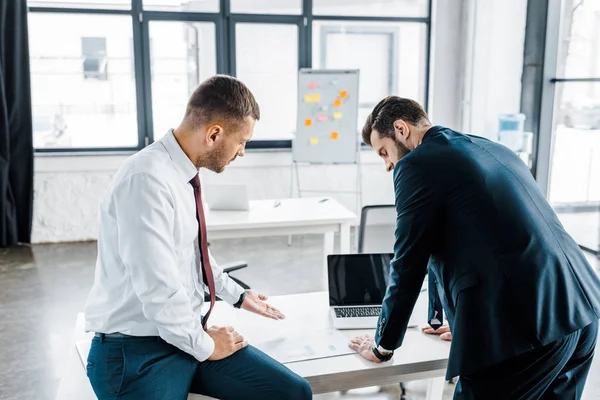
322 118
314 140
337 115
334 135
343 94
312 98
307 122
337 103
312 84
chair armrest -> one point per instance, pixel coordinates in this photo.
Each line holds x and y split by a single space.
234 266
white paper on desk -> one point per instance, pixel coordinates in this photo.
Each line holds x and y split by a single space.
293 348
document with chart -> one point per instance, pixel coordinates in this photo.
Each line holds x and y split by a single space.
289 347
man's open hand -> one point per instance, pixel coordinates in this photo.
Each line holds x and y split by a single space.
255 303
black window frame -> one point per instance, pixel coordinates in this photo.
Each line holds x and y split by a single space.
225 23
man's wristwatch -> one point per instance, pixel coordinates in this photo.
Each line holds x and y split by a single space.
241 300
382 354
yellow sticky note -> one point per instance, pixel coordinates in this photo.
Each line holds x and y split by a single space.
334 135
314 140
307 122
337 115
312 98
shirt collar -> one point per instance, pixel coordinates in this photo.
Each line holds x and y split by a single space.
184 165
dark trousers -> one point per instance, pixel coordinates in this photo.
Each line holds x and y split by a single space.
555 371
151 369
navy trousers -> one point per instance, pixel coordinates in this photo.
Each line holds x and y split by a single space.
555 371
151 369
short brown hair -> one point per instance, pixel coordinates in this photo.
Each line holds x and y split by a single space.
221 98
391 109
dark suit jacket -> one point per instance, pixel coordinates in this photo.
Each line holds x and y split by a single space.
510 278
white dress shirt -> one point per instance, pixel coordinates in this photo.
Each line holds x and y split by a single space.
148 279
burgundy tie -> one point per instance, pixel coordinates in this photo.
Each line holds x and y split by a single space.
203 242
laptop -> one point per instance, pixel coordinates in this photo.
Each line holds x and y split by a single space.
232 197
357 286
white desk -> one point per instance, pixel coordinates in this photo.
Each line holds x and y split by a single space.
291 217
421 356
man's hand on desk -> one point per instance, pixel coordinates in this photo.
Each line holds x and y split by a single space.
227 341
255 303
363 345
443 331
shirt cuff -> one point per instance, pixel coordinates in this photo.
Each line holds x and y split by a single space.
384 351
232 291
206 350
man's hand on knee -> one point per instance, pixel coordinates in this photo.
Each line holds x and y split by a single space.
227 341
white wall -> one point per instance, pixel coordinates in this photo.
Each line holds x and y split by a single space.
68 189
494 39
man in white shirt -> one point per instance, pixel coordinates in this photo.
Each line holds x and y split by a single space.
153 268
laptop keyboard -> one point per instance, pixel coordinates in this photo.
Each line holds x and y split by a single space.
354 312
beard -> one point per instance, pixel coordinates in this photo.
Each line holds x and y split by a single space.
216 160
402 149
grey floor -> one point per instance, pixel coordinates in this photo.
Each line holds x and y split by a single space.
43 287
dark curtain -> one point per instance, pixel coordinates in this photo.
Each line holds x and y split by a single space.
16 140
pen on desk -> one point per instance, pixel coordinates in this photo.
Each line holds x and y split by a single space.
277 203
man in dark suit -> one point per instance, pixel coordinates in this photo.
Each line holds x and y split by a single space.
521 300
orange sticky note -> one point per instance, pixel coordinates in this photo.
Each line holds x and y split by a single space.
334 135
322 117
343 94
307 122
314 140
337 115
337 103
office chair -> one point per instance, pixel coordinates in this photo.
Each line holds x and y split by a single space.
377 229
228 268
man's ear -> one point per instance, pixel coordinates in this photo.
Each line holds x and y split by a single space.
214 133
401 128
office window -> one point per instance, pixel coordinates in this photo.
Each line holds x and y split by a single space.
95 63
108 75
372 8
183 54
95 4
391 58
267 61
77 101
574 184
206 6
281 7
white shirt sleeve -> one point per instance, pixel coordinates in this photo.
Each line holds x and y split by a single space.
225 287
145 219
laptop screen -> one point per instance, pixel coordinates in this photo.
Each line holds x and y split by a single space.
358 279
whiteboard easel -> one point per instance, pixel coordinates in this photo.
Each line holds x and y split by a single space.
326 132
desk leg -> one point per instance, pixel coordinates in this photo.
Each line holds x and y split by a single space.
345 245
328 246
435 388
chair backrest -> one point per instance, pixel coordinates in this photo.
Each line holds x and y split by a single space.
377 230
